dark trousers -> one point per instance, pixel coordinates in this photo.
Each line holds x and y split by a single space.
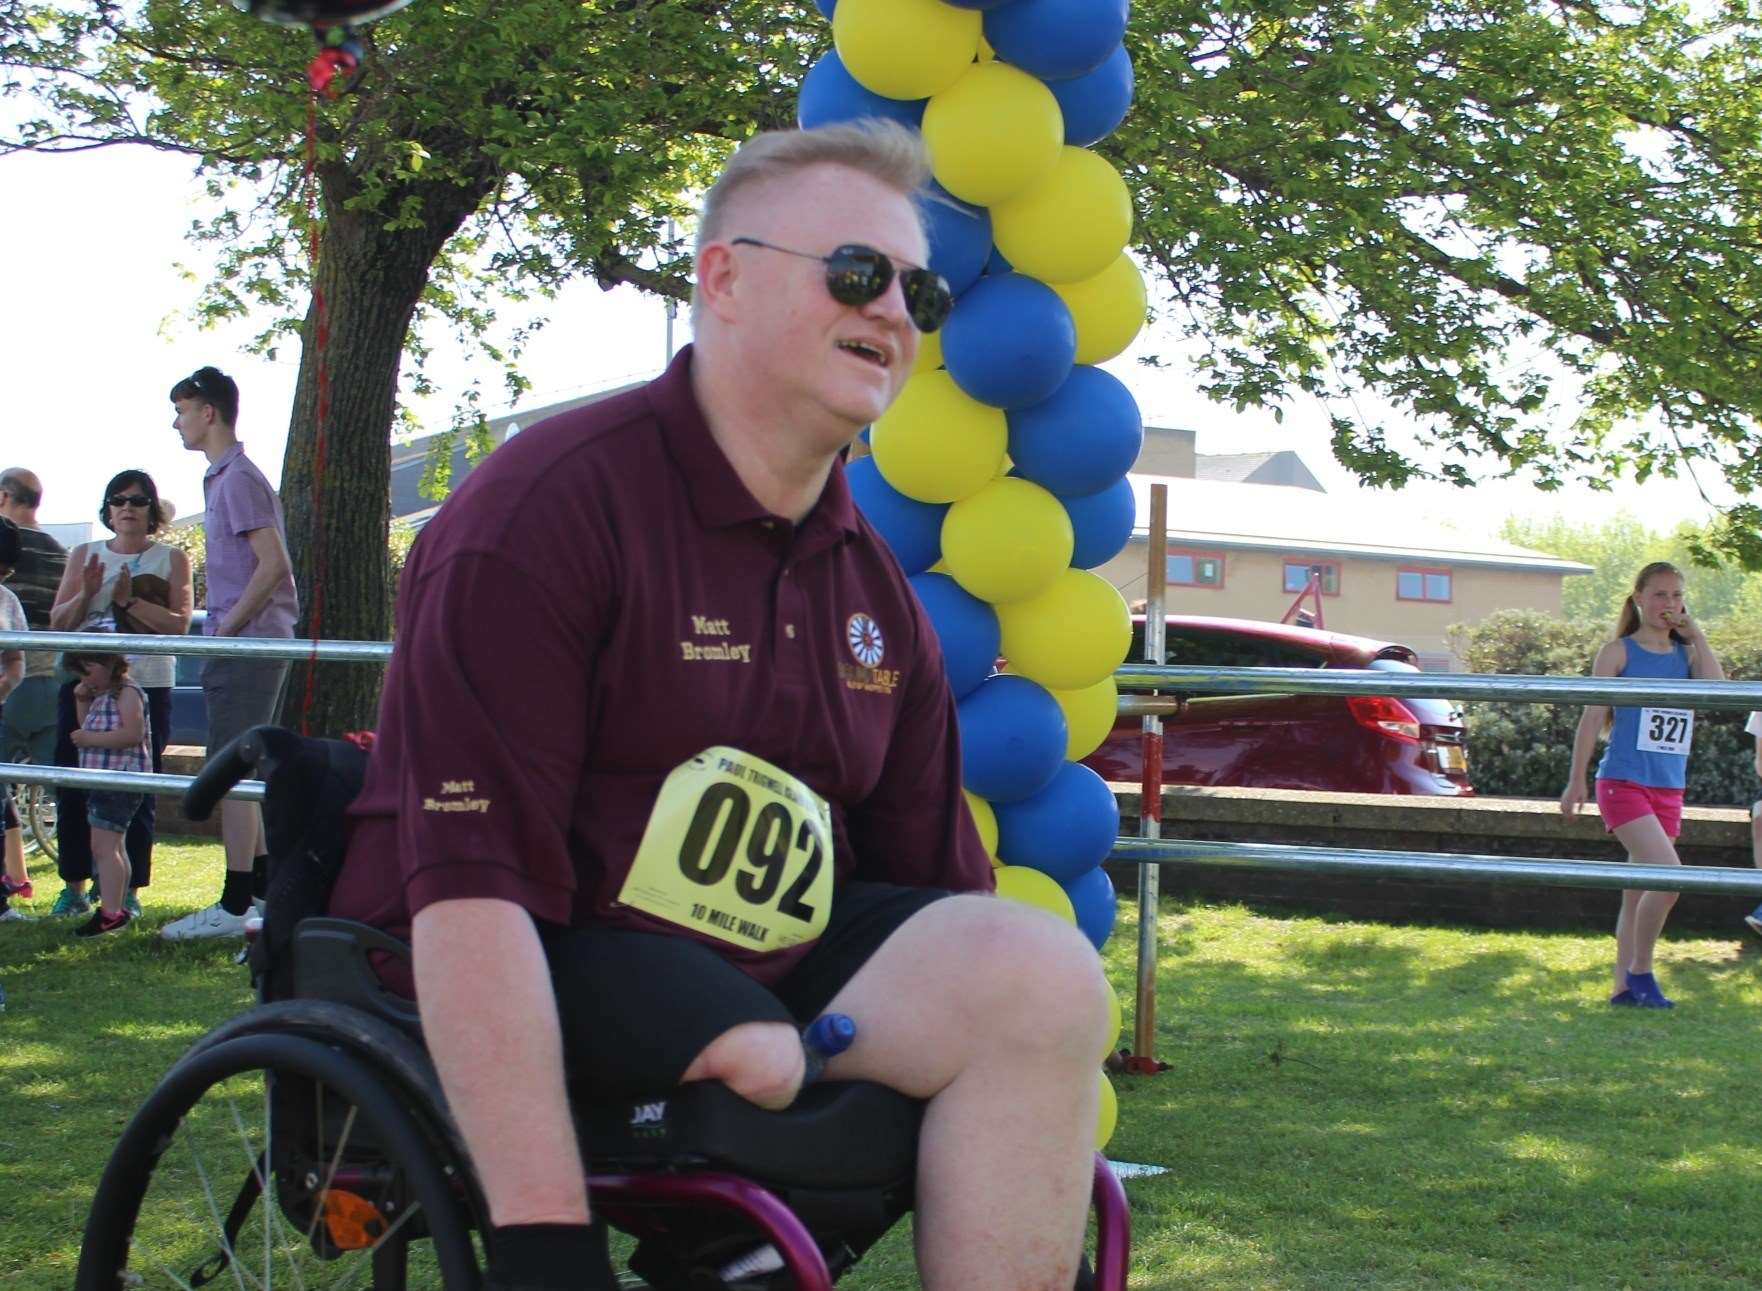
73 837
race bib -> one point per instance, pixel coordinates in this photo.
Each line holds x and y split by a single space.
1666 730
736 848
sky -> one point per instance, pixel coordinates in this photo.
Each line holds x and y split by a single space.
102 281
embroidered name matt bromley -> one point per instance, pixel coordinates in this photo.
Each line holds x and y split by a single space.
719 651
455 795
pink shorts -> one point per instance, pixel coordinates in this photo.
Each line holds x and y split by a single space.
1622 800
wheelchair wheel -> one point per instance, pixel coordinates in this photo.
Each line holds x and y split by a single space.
269 1161
39 819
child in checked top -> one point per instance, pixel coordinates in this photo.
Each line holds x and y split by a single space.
1754 727
112 737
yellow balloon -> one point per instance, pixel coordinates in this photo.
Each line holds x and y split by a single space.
1031 887
1069 635
1073 222
993 133
1108 310
986 821
930 352
1115 1021
1090 714
937 443
1007 541
905 49
1107 1115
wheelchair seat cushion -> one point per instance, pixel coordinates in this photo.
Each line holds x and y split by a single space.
838 1135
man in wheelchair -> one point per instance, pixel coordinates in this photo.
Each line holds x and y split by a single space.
667 765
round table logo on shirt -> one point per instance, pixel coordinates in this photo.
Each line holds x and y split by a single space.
863 635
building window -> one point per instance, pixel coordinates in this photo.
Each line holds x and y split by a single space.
1297 576
1196 569
1423 585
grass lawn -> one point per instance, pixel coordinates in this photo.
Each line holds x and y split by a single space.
1350 1105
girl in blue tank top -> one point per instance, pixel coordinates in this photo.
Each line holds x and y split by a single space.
1640 779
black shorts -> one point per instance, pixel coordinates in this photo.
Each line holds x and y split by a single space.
636 1007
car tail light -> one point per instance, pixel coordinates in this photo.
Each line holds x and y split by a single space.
1385 715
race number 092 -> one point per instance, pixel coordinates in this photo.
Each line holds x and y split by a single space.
774 834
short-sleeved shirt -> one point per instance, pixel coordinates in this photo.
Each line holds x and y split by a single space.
41 561
601 601
239 501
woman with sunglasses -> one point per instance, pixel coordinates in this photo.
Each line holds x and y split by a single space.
125 583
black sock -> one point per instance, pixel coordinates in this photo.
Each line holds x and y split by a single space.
260 877
235 895
542 1256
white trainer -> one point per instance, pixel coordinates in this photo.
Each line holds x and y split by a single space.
211 921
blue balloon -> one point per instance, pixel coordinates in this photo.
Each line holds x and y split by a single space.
911 528
1092 897
966 4
996 266
1066 828
1096 102
1056 39
1012 738
966 627
960 237
830 94
1082 439
1102 523
826 7
1010 341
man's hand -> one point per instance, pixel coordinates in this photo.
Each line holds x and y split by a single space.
760 1061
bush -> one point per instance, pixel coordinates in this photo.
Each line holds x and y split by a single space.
1525 750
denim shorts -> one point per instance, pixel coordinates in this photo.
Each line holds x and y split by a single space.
111 809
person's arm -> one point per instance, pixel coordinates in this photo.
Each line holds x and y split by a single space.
128 732
490 1020
11 671
1590 724
273 565
74 593
166 620
1759 753
1703 659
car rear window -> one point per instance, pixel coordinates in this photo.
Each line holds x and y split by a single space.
1202 648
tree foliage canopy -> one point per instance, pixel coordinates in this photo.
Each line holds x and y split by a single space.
1530 226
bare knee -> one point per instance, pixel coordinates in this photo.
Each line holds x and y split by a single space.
760 1061
1042 983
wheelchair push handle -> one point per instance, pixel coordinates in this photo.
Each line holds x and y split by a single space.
252 751
823 1039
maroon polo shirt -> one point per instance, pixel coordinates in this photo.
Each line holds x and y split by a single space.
600 601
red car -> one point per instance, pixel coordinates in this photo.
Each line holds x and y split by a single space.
1333 743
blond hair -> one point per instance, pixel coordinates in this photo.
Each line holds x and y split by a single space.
882 149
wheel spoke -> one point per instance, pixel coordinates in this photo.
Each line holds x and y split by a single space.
232 1259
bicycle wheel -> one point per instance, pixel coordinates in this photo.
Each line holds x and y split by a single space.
39 820
269 1161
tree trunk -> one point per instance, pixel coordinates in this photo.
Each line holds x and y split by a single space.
371 279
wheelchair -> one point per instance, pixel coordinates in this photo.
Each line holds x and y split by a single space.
306 1143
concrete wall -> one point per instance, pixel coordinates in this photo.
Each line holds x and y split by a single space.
1253 588
1462 826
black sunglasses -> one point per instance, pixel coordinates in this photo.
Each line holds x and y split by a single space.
129 500
856 275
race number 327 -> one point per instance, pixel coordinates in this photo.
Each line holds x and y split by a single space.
1666 730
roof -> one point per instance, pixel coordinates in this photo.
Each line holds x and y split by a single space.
1368 526
410 458
1284 468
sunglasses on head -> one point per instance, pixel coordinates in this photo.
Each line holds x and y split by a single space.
856 275
129 500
